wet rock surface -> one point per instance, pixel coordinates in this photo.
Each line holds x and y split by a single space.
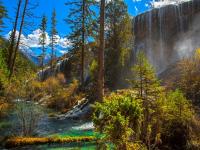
158 31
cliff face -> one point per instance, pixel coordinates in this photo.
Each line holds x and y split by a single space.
168 33
165 34
63 66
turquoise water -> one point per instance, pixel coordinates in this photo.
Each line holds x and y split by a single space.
72 146
76 133
89 147
54 127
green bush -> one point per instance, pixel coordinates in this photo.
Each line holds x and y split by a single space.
177 122
118 118
178 107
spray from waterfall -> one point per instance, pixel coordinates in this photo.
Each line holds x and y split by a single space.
167 32
189 41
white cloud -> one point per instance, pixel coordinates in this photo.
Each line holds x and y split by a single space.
64 42
106 1
136 9
157 4
30 46
146 5
32 40
137 0
63 51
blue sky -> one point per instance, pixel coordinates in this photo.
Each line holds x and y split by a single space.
46 7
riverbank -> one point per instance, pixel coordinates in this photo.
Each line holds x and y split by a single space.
14 142
55 130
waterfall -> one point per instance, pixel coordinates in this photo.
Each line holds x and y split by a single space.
78 111
180 17
162 34
158 31
60 67
149 17
86 126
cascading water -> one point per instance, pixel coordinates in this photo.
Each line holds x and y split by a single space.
86 126
159 31
162 34
60 67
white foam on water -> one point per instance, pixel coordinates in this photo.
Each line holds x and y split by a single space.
85 126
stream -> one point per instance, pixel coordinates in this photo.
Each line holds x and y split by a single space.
53 126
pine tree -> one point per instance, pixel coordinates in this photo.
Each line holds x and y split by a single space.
3 14
145 81
148 89
119 43
81 20
43 37
53 34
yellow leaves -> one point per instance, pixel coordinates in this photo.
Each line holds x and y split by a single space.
65 97
3 106
197 54
93 68
136 146
53 84
61 78
158 139
50 85
73 87
189 78
20 141
53 92
36 85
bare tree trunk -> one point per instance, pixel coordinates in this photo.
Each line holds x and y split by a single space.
101 53
13 34
43 51
18 40
83 44
52 53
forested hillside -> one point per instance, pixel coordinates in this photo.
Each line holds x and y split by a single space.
88 74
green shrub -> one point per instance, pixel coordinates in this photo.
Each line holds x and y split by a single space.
178 107
28 117
177 121
118 118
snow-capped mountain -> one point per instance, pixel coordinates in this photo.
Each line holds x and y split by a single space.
29 45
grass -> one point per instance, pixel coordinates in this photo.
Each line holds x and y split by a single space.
23 141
